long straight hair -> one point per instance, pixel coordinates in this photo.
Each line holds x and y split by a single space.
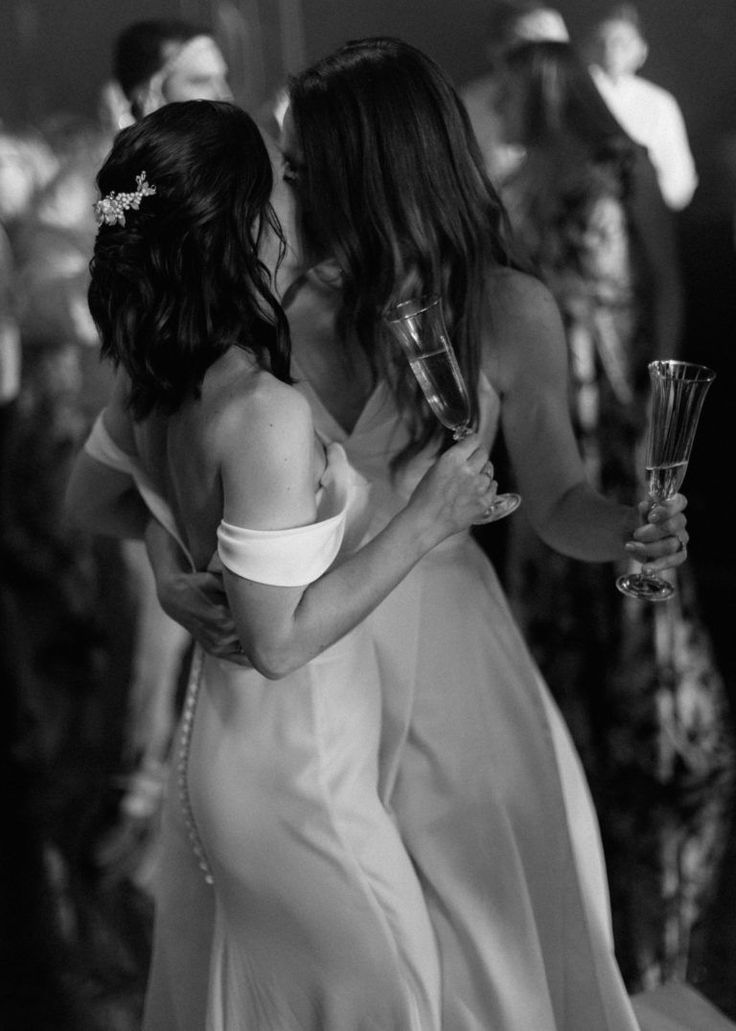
560 99
392 187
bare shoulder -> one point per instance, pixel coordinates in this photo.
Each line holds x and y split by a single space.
519 298
525 332
263 446
254 411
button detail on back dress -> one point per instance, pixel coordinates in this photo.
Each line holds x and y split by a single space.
190 704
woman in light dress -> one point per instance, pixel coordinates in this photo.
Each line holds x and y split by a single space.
639 686
476 766
313 916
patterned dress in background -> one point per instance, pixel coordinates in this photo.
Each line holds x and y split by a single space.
637 682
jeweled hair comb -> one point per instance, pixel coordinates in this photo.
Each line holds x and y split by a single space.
111 209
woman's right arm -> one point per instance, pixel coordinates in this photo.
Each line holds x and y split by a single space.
529 367
269 485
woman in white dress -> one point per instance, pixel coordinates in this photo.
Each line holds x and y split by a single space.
310 916
476 764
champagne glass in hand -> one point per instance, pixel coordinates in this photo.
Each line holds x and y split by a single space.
678 392
418 326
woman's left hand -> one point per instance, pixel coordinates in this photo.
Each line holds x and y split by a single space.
195 600
661 541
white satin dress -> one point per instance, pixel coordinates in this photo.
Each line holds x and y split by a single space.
484 785
286 900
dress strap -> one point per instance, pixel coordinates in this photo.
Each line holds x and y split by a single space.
301 554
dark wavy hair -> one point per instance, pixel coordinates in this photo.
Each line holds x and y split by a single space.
392 186
181 281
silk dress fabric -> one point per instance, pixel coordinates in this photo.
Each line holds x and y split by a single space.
480 774
487 789
285 899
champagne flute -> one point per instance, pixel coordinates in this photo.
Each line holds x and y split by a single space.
419 328
678 392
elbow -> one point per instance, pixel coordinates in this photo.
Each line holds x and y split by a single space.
272 666
277 644
551 522
276 660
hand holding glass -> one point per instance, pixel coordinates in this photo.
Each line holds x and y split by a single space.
419 328
678 392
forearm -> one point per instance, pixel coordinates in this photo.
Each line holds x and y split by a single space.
283 627
587 526
337 602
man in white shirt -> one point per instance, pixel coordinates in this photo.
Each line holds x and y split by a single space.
649 114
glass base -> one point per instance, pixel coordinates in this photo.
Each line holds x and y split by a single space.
504 505
648 588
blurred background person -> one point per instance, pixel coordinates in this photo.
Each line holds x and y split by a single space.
157 61
509 22
649 113
48 639
637 683
27 163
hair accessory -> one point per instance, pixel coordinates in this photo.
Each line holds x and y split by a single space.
111 209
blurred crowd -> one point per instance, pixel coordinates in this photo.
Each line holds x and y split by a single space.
593 162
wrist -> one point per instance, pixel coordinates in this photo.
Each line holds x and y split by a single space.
421 529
